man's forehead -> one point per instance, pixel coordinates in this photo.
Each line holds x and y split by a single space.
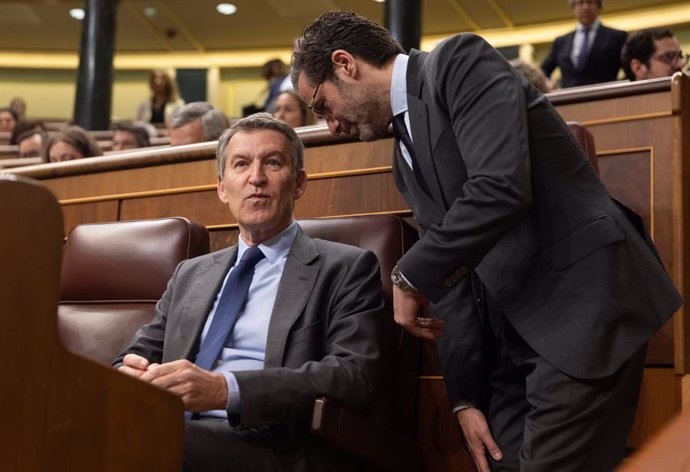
263 140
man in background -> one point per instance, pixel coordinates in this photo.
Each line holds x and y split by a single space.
652 53
196 122
129 136
590 54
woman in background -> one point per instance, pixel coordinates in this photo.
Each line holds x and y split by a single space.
164 99
70 143
291 109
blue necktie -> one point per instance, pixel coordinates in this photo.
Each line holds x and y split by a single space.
229 306
584 50
401 133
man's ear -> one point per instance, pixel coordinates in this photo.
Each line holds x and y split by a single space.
638 68
344 62
301 184
220 186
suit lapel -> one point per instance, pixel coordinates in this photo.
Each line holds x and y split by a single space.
204 290
419 124
296 286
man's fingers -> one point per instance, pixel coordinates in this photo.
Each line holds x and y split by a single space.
492 447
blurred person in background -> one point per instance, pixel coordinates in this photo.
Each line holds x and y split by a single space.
18 104
72 142
274 72
30 143
8 120
652 53
533 74
23 126
196 122
291 109
129 136
164 100
589 55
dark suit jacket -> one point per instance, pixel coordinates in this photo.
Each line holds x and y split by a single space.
602 64
513 197
323 338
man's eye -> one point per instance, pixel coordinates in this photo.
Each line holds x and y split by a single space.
239 164
273 163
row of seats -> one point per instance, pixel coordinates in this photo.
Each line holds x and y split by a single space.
113 274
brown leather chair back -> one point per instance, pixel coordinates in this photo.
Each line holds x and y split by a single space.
388 439
586 140
112 276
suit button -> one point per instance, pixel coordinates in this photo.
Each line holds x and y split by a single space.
219 363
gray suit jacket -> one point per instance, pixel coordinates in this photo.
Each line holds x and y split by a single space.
513 197
323 338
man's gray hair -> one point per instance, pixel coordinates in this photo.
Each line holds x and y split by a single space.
213 121
259 122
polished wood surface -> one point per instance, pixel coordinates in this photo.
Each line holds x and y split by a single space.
667 451
59 411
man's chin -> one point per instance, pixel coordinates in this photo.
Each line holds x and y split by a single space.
371 135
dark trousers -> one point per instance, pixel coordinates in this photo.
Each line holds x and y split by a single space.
211 445
546 421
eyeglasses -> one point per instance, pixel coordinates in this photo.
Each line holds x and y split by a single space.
671 57
317 109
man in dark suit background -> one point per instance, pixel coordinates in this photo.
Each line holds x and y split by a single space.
591 53
310 325
546 288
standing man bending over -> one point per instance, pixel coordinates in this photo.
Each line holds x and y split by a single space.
549 289
310 326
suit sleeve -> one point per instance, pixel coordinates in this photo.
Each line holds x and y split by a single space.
485 105
550 62
148 340
345 373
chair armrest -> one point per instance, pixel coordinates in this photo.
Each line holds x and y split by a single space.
365 438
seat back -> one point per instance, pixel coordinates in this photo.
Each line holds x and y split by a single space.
388 237
586 140
112 276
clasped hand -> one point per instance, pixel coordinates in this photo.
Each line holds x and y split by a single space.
199 389
407 307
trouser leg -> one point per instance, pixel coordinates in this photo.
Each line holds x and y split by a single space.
545 420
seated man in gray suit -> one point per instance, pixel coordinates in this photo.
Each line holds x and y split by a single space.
310 325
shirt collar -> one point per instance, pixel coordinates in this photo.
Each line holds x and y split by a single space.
592 29
274 247
399 85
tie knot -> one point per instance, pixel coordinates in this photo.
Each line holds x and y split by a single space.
399 125
251 256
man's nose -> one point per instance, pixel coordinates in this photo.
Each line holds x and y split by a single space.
333 126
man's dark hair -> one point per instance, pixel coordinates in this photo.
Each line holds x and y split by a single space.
140 133
346 30
640 45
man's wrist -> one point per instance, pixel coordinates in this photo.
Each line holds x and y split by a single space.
400 281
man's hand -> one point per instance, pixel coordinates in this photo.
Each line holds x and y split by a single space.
199 389
478 437
406 309
134 365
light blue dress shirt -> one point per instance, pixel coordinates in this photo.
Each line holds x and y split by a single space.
399 98
579 40
246 349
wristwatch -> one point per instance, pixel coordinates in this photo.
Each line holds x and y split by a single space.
400 281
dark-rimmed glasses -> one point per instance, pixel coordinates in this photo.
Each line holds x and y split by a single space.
671 57
318 110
